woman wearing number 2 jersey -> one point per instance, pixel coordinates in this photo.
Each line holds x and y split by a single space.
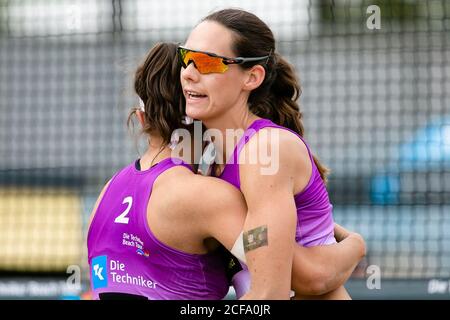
158 230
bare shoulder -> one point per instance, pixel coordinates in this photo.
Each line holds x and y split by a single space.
281 148
203 194
199 204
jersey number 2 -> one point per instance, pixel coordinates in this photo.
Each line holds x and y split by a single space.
123 216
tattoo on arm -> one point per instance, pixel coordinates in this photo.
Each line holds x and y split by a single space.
255 238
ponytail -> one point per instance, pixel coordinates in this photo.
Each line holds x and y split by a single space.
276 99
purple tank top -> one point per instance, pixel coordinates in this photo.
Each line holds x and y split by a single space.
315 225
125 256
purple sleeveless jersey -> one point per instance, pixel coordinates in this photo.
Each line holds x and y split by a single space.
315 225
125 256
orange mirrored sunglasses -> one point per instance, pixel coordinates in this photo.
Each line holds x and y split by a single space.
207 62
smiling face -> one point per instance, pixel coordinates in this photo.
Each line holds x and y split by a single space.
209 96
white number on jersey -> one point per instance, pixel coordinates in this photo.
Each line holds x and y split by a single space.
123 216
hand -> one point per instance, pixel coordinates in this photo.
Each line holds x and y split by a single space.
340 233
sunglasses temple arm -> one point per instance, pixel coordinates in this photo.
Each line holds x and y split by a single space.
243 60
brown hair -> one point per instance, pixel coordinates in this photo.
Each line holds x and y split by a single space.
276 98
157 83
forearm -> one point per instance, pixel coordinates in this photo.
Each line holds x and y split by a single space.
318 270
344 259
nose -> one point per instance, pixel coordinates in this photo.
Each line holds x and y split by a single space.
190 73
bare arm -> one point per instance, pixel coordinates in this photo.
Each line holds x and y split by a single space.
269 229
315 270
321 269
214 207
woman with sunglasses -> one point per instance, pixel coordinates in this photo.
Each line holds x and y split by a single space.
233 78
155 226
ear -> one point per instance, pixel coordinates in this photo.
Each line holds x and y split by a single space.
141 117
255 76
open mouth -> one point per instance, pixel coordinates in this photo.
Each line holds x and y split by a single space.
194 95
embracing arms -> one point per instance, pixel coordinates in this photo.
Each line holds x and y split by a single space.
271 206
221 211
321 269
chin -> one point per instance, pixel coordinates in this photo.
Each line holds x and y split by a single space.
196 112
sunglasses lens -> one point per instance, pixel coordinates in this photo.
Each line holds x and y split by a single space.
182 55
204 63
208 64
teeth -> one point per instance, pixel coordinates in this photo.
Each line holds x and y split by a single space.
194 94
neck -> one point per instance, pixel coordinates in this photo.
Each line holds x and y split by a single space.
156 152
231 126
